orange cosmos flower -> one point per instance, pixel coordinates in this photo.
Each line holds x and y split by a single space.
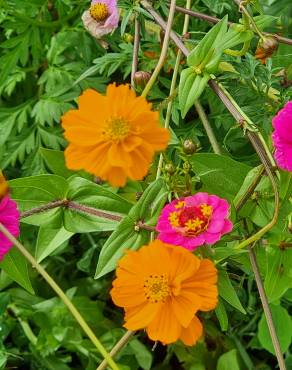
3 186
113 136
161 288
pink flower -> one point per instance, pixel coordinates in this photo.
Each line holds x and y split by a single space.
9 217
282 137
101 18
193 221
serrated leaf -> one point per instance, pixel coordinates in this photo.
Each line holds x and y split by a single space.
15 266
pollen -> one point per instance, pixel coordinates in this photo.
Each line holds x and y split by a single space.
180 204
173 219
116 129
156 288
206 210
99 12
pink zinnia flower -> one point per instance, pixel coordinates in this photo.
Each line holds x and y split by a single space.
101 18
193 221
9 217
282 137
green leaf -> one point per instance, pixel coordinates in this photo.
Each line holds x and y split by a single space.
49 240
210 40
15 266
219 174
143 356
283 326
278 272
87 193
36 191
125 236
222 315
228 361
227 291
55 161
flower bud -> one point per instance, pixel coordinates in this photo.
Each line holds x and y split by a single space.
169 168
127 37
141 78
266 48
189 147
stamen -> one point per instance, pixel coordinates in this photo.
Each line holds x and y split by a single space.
99 12
156 288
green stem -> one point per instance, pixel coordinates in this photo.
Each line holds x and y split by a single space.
62 296
208 128
267 310
163 50
173 85
117 348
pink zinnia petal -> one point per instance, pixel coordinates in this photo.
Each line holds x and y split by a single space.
9 217
282 137
193 221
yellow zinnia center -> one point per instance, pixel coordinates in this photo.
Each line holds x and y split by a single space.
156 288
116 129
99 12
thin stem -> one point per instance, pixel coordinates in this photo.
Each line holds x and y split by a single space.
117 348
267 310
135 51
162 24
173 85
45 207
208 18
208 128
164 49
62 296
92 211
250 18
255 181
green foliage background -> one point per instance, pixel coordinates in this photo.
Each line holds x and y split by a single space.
46 60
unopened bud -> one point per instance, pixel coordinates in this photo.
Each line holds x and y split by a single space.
266 48
128 38
141 78
189 147
169 168
187 36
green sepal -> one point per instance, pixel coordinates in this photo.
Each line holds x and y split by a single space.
191 91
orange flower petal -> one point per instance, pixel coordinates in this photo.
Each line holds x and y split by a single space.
113 133
139 317
185 306
165 327
190 335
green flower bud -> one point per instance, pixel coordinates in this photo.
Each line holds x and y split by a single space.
189 147
169 168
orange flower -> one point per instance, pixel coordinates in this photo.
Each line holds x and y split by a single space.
113 136
161 288
3 186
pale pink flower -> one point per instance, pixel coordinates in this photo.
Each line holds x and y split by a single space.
101 18
195 220
282 137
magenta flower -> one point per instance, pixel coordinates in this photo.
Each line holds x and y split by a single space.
193 221
282 137
101 18
9 217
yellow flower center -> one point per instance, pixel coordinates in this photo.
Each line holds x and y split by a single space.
156 288
190 220
99 12
116 129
